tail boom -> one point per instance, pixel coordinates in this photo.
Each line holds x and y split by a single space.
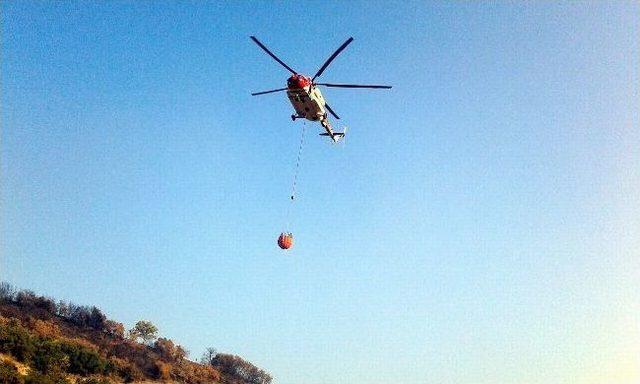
335 136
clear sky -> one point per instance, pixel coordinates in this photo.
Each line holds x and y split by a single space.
481 224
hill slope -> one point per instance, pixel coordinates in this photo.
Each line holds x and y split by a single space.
44 342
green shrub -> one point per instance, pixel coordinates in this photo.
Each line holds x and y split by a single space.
84 361
15 340
50 358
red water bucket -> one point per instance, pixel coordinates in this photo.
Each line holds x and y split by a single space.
285 241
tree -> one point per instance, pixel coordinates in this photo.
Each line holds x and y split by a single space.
165 348
26 298
7 292
30 301
235 369
169 351
208 356
79 315
62 309
145 330
114 329
181 353
96 319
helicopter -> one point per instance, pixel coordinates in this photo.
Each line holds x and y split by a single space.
305 96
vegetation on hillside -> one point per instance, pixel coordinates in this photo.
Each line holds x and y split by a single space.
64 343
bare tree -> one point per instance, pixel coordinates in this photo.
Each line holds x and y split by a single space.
208 356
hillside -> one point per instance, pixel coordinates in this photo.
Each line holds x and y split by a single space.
47 342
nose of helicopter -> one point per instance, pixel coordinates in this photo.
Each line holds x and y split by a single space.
298 82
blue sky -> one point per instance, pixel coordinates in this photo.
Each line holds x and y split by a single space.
480 225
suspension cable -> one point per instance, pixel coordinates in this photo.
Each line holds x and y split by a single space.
295 175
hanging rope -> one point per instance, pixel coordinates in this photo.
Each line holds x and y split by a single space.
295 175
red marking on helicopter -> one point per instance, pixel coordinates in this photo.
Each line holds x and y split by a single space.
298 82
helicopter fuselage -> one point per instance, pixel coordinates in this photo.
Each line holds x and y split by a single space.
305 98
309 104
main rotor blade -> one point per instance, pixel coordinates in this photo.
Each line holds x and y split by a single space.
271 91
354 86
331 111
330 59
272 55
